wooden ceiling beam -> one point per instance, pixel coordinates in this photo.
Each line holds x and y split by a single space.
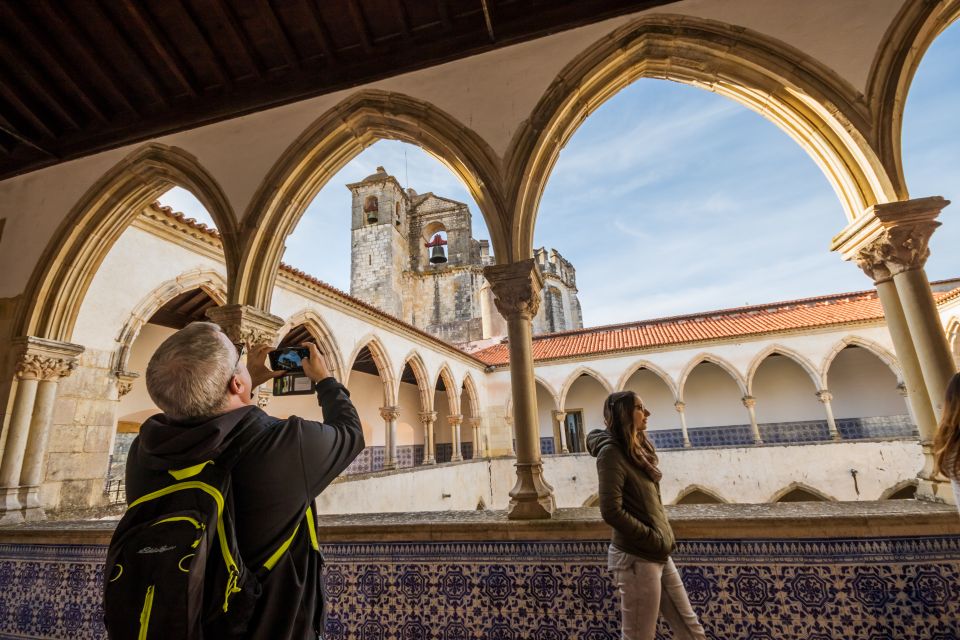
160 44
48 60
219 64
12 131
270 19
238 33
363 29
29 76
400 11
319 29
488 10
444 11
91 60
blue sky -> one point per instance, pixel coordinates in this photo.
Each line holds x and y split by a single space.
670 199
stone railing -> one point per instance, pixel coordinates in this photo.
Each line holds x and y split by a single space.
786 571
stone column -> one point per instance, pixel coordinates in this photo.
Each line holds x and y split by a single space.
561 418
825 397
751 404
889 243
516 287
427 418
246 324
41 365
389 415
681 409
454 421
474 425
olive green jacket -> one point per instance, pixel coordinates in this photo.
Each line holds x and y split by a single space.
630 501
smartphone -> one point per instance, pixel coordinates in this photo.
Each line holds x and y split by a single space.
288 358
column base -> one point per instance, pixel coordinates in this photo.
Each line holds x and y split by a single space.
456 458
427 461
532 497
389 466
11 509
936 490
30 499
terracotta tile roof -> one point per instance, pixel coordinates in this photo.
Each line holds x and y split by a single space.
809 313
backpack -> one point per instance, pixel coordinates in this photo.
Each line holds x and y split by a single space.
173 569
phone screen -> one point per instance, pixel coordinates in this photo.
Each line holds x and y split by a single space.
288 359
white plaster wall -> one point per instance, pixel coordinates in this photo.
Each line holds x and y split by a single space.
492 92
546 405
409 428
657 398
785 392
863 386
587 395
135 404
746 475
366 391
713 398
441 428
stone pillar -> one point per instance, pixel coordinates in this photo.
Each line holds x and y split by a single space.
41 365
516 287
454 421
825 397
890 244
561 418
246 324
389 415
427 418
681 407
751 404
478 450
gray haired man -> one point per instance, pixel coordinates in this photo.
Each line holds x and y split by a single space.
198 379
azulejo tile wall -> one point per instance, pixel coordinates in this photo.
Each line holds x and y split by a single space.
850 589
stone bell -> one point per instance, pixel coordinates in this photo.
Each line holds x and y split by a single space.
437 255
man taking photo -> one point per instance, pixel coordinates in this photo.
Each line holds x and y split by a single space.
279 466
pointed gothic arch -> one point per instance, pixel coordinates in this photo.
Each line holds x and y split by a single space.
319 331
63 274
471 389
712 359
328 144
508 408
699 494
856 341
652 368
798 491
382 360
209 281
451 388
815 377
811 103
415 362
572 379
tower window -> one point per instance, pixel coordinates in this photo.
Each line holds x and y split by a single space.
371 207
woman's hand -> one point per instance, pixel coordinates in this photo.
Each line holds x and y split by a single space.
256 365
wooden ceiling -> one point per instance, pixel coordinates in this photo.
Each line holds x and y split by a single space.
189 306
82 76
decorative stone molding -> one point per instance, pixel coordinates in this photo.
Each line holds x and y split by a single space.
679 406
516 288
389 413
42 359
125 380
427 417
891 238
559 416
902 390
455 420
824 396
749 401
264 396
246 324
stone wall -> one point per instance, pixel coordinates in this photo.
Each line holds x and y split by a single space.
445 302
81 434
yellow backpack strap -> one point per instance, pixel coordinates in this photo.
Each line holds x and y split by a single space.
188 472
312 528
282 549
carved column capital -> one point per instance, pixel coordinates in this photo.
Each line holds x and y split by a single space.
891 238
516 288
902 389
264 396
246 324
427 417
680 406
560 416
389 413
125 380
454 419
472 423
824 396
42 359
749 401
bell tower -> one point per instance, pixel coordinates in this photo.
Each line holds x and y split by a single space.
379 244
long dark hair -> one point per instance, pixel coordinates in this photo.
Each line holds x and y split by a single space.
946 446
618 416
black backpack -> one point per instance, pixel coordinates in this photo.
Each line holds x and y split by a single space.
173 569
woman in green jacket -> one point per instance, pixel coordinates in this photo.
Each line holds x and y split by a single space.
639 554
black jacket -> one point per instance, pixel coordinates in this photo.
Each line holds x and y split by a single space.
630 501
284 467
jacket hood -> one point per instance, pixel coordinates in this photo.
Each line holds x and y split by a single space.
167 444
597 440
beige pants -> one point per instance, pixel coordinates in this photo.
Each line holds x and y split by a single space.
647 588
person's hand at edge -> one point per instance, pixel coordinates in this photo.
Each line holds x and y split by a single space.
257 365
315 365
